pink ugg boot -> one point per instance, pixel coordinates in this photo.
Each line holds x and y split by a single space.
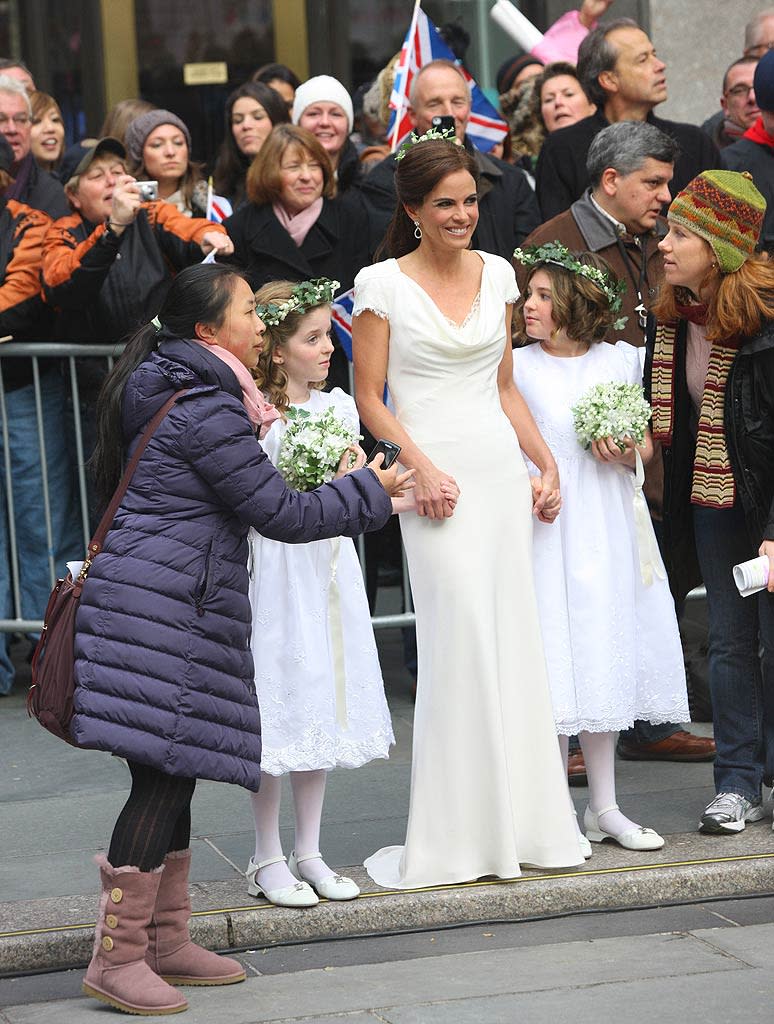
171 953
118 974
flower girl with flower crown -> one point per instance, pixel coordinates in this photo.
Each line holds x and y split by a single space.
612 644
316 669
317 672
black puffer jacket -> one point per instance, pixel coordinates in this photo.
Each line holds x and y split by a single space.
749 417
749 430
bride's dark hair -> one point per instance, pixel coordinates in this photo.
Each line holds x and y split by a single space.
416 175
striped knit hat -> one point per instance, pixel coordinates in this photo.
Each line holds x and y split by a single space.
726 209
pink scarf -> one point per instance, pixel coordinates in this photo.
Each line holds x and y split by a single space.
261 413
297 225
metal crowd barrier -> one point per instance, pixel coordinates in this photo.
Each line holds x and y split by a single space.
40 355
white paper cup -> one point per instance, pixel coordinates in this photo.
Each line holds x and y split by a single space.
753 576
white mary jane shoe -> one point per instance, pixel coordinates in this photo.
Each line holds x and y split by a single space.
337 887
632 839
299 895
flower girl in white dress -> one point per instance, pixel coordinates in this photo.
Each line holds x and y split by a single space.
317 671
612 643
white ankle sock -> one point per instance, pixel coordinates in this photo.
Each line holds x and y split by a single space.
599 754
308 796
266 807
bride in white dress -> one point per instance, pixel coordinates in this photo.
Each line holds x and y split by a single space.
488 791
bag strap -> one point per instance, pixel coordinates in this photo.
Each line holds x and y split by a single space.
96 542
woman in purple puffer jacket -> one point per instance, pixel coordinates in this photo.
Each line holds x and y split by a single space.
164 670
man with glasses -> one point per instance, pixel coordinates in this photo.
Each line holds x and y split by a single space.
32 185
754 151
739 106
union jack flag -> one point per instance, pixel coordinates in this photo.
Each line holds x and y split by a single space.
218 207
341 319
422 44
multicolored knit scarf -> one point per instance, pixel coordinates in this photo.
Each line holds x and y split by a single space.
713 480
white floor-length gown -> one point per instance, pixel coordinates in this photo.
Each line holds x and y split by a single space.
615 653
488 790
317 670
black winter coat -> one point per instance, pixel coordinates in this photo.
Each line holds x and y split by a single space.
507 208
749 431
746 155
335 247
561 175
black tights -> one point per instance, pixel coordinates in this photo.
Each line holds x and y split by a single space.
156 819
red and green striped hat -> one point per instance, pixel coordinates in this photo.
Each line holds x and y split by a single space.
726 209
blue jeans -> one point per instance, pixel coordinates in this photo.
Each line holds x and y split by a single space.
29 509
741 655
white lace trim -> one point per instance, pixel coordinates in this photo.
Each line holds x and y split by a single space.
369 309
471 313
571 727
312 752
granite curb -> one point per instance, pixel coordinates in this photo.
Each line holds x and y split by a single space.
57 934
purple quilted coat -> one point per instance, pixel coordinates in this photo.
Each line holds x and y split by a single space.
164 672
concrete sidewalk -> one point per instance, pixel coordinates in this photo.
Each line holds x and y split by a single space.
58 806
713 968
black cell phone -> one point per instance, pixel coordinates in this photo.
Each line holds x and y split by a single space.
443 123
388 449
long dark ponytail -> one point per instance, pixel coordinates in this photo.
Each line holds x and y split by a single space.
416 175
199 294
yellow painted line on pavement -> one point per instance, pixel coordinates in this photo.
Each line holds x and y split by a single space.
589 872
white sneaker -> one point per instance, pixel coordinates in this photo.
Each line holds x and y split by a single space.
728 813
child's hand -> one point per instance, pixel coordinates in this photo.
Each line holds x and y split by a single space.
546 496
607 449
451 492
352 458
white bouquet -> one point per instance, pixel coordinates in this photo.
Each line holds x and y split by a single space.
614 410
312 447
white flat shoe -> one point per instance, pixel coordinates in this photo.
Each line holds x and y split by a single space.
337 887
632 839
299 895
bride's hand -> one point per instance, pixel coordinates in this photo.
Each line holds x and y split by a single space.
436 493
344 462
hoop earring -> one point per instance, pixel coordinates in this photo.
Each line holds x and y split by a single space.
417 230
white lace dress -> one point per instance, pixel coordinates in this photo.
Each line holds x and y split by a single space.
488 789
612 643
317 672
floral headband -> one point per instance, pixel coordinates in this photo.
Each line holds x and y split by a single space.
560 256
432 135
304 296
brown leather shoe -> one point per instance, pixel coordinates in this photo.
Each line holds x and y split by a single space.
576 769
680 746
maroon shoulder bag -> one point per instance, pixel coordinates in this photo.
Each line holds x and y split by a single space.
50 698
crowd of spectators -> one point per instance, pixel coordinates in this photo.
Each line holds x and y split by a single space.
304 179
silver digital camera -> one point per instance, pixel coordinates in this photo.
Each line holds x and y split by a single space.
149 190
